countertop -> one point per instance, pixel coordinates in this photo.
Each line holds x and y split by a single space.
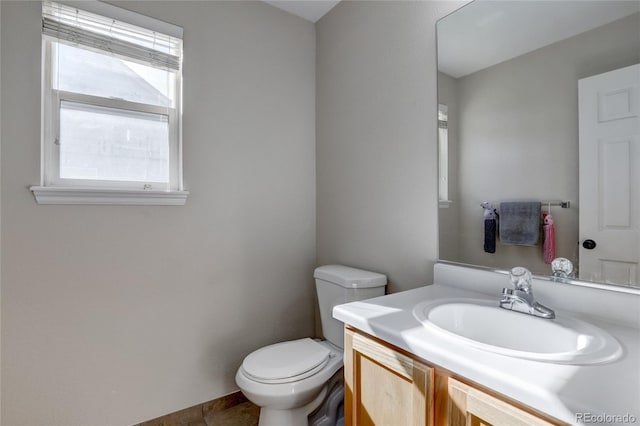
560 390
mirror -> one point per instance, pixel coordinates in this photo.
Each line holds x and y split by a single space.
511 123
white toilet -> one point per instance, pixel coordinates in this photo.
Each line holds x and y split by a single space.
289 380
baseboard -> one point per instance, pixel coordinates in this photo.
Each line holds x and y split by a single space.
195 415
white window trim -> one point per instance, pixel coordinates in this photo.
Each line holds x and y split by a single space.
70 195
52 191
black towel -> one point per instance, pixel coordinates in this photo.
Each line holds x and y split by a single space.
490 235
490 228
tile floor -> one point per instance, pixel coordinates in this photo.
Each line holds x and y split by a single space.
245 414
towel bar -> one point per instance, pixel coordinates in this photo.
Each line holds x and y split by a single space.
562 204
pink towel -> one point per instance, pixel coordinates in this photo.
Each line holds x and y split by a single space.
549 247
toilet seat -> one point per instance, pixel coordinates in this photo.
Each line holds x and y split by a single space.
286 362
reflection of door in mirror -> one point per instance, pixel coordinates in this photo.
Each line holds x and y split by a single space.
609 176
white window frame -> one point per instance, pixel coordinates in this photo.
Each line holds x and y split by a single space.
55 190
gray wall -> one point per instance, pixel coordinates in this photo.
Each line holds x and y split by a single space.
518 136
376 138
118 314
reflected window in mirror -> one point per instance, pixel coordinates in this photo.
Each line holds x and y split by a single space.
443 156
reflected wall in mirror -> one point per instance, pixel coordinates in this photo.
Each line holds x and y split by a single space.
508 78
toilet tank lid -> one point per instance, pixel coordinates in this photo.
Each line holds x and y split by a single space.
348 277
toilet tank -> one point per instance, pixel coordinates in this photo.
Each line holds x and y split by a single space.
337 284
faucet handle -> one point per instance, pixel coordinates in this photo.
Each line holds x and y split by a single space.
561 267
521 279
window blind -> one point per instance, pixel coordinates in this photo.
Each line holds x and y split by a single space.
80 27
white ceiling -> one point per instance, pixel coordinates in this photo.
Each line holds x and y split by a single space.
311 10
485 33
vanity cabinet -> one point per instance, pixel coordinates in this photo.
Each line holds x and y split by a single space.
468 406
384 386
387 386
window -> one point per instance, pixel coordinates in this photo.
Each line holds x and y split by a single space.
443 156
111 107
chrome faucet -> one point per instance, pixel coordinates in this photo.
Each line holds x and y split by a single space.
520 298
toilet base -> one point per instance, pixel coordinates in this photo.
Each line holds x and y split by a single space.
292 417
332 408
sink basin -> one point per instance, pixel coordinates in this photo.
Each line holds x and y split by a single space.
484 325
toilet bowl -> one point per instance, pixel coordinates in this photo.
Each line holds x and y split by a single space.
289 380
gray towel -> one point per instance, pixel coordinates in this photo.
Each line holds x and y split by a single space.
520 223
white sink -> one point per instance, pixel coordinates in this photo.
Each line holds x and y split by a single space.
484 325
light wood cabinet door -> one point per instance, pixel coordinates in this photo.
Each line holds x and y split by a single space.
384 387
468 406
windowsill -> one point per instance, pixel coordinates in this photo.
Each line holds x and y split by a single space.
139 197
444 204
